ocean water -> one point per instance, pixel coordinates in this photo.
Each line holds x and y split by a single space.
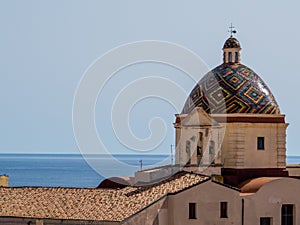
51 170
56 170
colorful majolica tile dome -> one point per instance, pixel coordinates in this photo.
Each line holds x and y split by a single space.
232 88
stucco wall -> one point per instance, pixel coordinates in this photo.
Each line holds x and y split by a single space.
155 214
239 149
192 135
267 201
207 197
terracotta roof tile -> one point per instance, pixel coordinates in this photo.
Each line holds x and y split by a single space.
89 203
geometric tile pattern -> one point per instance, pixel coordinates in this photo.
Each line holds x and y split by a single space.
232 88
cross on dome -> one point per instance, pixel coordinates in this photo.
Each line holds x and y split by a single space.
232 30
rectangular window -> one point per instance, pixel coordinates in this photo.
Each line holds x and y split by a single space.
265 221
223 210
260 143
287 214
192 210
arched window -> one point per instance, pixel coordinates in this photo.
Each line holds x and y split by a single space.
199 147
212 152
229 56
236 57
188 151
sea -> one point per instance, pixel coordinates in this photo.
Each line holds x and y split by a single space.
57 170
71 170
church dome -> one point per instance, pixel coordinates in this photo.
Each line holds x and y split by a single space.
232 43
232 88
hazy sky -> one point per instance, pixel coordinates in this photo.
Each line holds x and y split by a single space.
45 47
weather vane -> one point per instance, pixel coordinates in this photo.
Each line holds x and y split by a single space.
232 30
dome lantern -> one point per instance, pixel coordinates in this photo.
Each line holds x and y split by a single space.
231 48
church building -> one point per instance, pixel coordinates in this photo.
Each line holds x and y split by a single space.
232 123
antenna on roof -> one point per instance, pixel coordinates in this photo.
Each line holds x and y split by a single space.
171 154
232 30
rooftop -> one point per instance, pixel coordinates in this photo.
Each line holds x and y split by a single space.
89 203
253 185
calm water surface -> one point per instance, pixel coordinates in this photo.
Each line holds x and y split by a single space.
66 170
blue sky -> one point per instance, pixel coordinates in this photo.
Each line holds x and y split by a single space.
45 47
